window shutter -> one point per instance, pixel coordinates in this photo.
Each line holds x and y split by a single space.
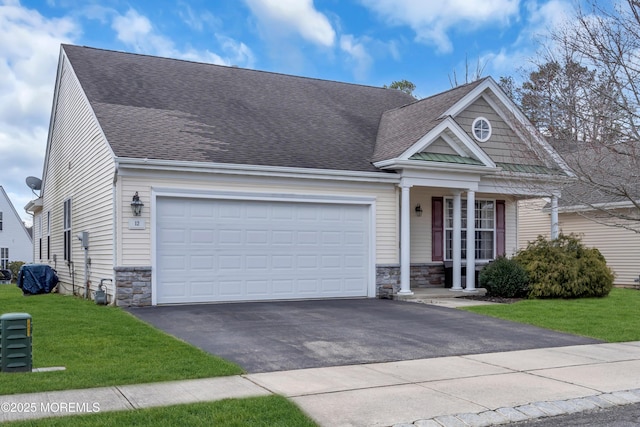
437 229
500 228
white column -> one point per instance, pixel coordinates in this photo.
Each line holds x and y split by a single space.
405 246
471 241
554 217
456 242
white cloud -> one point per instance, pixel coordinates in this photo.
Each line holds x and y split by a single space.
431 21
540 19
357 52
197 20
29 49
283 17
137 32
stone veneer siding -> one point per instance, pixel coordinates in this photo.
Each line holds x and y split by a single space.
422 276
133 286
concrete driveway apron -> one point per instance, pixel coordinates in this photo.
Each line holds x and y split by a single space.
285 335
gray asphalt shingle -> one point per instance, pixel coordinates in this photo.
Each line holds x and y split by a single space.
167 109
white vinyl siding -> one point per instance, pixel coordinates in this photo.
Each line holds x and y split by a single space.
532 221
14 236
79 166
135 244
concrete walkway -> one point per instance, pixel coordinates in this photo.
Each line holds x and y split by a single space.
476 390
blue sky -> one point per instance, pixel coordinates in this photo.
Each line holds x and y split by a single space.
371 42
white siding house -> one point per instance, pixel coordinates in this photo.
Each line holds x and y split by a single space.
263 186
15 241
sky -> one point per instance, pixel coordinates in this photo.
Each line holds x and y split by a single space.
370 42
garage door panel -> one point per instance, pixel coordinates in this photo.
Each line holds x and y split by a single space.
201 262
235 250
230 288
168 235
230 262
258 288
230 237
257 237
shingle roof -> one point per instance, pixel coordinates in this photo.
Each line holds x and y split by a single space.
401 127
158 108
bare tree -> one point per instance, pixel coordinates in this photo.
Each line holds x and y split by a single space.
585 98
470 76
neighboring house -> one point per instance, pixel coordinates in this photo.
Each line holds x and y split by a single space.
262 186
620 246
15 241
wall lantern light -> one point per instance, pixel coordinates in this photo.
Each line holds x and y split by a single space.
418 210
136 205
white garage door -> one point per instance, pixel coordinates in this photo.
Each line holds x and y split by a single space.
242 250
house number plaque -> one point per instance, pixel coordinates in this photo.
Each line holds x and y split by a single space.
136 224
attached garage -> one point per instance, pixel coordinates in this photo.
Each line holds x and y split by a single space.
238 249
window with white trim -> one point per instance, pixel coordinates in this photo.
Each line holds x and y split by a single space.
66 228
485 229
48 234
0 221
39 233
481 129
4 258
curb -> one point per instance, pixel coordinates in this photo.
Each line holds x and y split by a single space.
531 411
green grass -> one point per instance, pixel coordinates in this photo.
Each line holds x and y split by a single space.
99 346
258 411
615 318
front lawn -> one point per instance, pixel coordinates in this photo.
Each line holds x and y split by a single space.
258 411
615 318
99 346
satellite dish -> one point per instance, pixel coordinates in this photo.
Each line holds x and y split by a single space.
34 183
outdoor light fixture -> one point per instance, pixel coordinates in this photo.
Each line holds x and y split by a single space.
136 205
418 210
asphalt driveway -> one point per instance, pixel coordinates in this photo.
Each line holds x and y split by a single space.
276 336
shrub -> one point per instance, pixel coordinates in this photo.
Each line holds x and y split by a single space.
14 266
504 278
565 268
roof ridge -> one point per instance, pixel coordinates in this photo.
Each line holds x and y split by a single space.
275 73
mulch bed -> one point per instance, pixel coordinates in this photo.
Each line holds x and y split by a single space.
491 299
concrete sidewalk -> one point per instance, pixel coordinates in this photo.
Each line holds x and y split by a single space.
476 390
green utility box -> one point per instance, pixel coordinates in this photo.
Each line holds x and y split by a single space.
15 342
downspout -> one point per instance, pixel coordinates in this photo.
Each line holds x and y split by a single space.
114 197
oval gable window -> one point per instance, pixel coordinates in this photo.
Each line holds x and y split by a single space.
481 129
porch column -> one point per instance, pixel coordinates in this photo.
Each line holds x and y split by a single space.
456 242
405 246
554 217
471 241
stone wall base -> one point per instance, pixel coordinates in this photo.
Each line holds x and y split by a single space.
422 276
133 286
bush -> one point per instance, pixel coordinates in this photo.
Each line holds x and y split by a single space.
565 268
14 266
504 278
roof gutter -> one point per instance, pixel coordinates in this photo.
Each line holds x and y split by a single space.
594 207
124 163
422 165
